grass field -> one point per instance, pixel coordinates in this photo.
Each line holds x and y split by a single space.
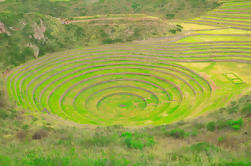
151 82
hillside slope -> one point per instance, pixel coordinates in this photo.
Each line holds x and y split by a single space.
72 8
27 36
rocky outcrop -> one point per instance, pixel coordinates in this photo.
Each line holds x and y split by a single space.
35 49
39 31
3 29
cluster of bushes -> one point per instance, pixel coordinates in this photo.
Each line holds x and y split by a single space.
221 124
137 140
104 138
240 109
176 133
246 110
178 28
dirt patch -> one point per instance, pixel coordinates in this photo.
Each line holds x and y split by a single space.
21 135
40 134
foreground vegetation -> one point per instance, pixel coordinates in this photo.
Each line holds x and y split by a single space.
220 138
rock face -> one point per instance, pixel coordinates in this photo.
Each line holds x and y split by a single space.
35 49
3 29
39 31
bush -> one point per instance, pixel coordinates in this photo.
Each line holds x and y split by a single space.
220 124
194 132
220 139
137 140
232 109
3 114
177 133
179 26
173 31
170 16
211 126
246 109
199 125
235 124
25 127
111 41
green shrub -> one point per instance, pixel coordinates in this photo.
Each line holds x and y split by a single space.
194 132
180 26
134 143
137 140
126 134
177 133
173 31
211 126
232 109
235 124
25 127
221 124
3 114
220 139
111 41
170 16
246 109
198 125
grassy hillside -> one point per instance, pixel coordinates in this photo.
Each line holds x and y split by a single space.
29 36
71 8
32 28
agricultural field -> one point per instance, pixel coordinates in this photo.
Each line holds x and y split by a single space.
150 82
125 83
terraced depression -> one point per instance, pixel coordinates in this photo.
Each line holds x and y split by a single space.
151 82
